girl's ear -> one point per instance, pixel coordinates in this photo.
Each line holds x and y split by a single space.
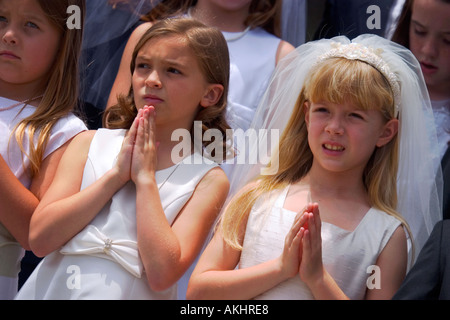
213 94
306 106
389 131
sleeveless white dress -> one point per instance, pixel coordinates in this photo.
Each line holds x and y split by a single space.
66 128
252 62
102 261
347 255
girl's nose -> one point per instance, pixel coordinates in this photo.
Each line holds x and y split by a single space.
430 47
153 80
9 36
334 126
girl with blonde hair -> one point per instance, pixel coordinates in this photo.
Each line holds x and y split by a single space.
336 214
39 58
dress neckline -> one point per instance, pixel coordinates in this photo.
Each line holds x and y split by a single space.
279 202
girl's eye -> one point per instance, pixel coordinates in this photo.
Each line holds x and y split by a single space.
3 19
173 70
419 32
321 109
142 66
31 25
356 115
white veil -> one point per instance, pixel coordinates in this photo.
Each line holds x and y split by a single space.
107 28
419 175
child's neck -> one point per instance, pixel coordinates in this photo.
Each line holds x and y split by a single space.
339 185
213 16
438 94
165 148
20 92
343 200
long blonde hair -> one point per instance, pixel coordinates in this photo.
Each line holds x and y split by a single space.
335 80
61 93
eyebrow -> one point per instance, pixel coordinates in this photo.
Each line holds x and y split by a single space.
418 23
171 62
34 17
425 27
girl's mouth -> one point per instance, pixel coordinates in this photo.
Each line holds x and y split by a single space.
8 55
428 68
333 147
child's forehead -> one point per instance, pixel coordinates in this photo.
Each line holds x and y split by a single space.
168 43
348 103
170 38
27 8
172 46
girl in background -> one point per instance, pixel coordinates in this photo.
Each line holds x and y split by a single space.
123 218
424 28
252 30
38 92
330 215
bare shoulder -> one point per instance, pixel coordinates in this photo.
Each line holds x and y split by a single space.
284 48
216 179
399 237
396 247
84 138
78 148
139 31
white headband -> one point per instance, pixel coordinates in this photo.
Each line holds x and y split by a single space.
356 51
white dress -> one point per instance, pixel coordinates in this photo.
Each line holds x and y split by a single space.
347 255
66 128
102 261
252 62
441 113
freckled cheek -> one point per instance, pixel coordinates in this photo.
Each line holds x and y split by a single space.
40 59
138 83
313 135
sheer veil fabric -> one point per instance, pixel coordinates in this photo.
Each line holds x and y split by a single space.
419 175
419 178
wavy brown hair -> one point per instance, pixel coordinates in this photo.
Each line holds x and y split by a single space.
211 50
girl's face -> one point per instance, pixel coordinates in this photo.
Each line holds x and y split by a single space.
429 36
29 44
167 76
343 137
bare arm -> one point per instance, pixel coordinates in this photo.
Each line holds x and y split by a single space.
65 210
167 251
392 263
215 276
17 204
284 48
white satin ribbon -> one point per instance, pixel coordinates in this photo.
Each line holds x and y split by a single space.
92 241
